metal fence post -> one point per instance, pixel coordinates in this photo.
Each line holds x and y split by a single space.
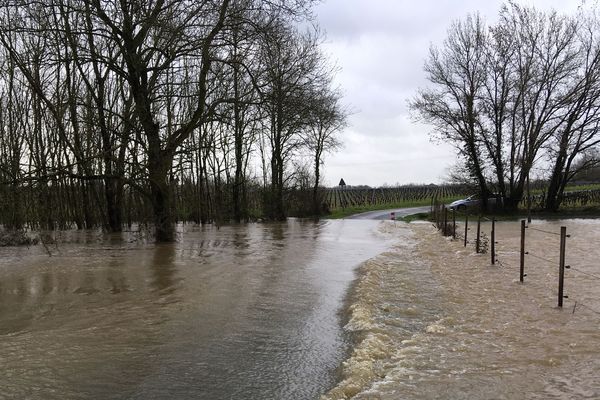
522 260
493 248
466 227
561 265
478 235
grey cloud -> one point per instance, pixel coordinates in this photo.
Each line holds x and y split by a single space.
381 46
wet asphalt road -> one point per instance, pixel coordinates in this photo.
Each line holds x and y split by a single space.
386 214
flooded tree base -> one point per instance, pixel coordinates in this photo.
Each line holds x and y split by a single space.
16 238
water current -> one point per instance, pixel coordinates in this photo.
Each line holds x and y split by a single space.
301 310
435 320
241 312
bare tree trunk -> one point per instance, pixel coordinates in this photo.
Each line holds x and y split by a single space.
315 192
159 166
557 178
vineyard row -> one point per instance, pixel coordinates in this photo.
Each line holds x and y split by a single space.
353 197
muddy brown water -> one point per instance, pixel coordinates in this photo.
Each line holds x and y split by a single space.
242 312
301 310
435 320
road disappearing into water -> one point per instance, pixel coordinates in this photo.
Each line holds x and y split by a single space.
386 214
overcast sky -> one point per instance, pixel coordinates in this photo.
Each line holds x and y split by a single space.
380 47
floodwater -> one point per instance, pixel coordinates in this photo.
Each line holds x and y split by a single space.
332 310
434 320
242 312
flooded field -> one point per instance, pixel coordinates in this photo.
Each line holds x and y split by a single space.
243 312
434 320
333 310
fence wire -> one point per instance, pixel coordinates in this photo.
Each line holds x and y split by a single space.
539 258
577 303
544 287
585 273
588 275
541 230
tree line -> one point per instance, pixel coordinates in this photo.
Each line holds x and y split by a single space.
202 110
517 97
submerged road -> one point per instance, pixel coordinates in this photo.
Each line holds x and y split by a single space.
249 311
386 214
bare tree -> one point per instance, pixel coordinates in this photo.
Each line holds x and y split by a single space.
457 75
292 62
544 60
327 118
580 120
509 95
139 110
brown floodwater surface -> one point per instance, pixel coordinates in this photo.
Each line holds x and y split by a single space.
435 320
300 310
242 312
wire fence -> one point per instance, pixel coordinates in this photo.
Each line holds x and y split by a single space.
544 257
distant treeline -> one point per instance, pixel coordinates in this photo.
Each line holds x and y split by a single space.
113 112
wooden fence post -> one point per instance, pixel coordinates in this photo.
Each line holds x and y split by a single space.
561 265
522 260
493 247
466 227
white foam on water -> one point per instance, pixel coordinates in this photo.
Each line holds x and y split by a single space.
434 319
